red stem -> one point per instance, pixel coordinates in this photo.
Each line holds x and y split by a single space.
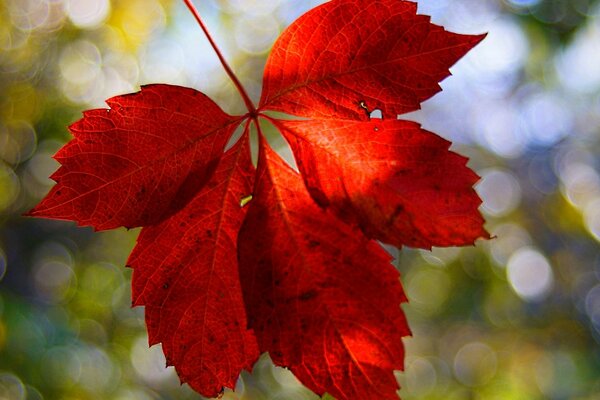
236 81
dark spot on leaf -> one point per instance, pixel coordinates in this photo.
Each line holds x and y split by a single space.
308 295
397 211
319 197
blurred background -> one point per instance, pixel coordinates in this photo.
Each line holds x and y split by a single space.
517 317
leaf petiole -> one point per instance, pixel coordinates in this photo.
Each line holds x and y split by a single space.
249 105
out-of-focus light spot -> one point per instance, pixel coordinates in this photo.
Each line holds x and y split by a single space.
530 274
28 15
294 393
281 376
11 387
17 142
468 16
557 375
504 50
163 61
420 376
440 256
509 238
126 65
547 118
91 331
553 12
9 187
149 363
61 367
40 167
121 301
53 279
97 370
544 372
497 129
541 174
592 306
580 183
252 7
434 8
475 364
523 3
113 83
12 39
295 9
80 62
264 31
52 251
3 266
572 155
81 70
591 218
21 102
137 394
100 279
428 289
199 56
33 393
138 20
87 13
578 66
500 192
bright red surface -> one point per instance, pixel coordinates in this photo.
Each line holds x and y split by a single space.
296 272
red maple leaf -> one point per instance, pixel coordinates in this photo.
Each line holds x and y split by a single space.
298 272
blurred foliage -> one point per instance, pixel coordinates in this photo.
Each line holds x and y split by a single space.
558 19
517 317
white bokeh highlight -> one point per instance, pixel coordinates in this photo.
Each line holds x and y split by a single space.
530 274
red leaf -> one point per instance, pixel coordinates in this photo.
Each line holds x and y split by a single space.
300 275
322 298
397 181
186 274
347 57
139 161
